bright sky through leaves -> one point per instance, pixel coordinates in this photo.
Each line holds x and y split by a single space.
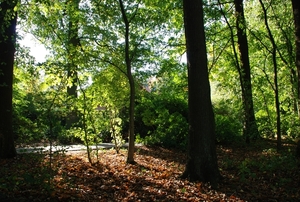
37 50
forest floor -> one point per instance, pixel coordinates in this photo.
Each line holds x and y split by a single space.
250 173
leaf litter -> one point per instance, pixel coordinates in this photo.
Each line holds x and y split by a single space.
249 174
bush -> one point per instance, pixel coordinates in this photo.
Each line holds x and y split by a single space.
162 121
26 123
227 129
228 122
171 132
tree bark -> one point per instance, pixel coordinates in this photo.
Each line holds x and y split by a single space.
298 149
296 12
8 19
202 159
250 130
73 45
130 156
275 71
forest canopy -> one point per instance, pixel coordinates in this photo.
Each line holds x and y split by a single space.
86 41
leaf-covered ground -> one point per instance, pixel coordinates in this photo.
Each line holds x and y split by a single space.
253 173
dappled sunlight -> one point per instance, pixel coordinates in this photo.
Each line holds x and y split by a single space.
249 174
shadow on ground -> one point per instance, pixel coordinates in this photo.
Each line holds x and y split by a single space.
255 173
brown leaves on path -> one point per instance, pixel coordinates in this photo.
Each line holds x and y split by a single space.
154 177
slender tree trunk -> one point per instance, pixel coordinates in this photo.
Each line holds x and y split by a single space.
8 21
202 159
250 127
275 70
296 12
130 156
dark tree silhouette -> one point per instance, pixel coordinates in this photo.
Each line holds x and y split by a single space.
202 159
8 20
296 10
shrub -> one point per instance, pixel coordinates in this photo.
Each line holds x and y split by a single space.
228 122
162 121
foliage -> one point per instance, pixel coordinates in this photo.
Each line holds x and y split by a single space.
268 162
40 90
222 62
162 120
228 121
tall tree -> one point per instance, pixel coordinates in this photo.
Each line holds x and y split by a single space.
73 44
242 63
275 71
250 129
130 157
202 158
72 54
60 34
296 10
8 20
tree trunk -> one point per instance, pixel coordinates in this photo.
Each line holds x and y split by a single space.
8 19
298 149
202 159
275 71
250 130
73 45
296 10
130 156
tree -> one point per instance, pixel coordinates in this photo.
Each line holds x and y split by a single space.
242 63
250 127
8 19
296 10
72 45
60 34
130 157
131 39
202 159
280 23
72 53
275 71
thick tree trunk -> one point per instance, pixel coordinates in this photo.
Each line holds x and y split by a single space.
250 127
8 20
202 159
296 12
